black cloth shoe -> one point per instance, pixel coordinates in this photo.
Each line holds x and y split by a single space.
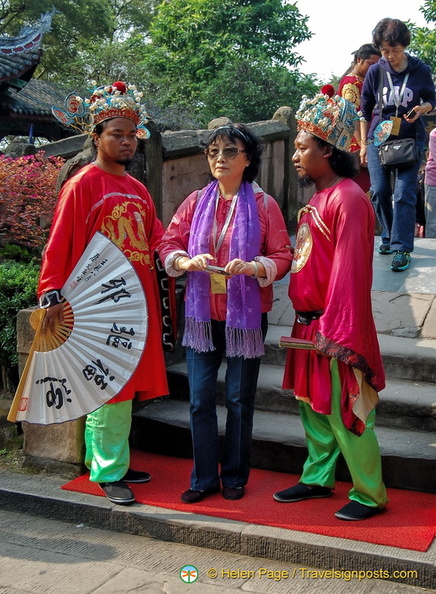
233 493
136 476
192 496
299 492
118 492
357 511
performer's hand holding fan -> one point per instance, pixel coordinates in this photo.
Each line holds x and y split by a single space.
82 363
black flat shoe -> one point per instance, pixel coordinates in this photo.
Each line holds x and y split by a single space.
192 496
357 511
300 492
233 493
136 476
118 492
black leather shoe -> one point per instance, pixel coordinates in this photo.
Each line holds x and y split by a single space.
299 492
233 493
357 511
136 476
192 496
118 492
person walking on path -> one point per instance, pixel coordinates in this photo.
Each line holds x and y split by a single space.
404 88
103 197
337 381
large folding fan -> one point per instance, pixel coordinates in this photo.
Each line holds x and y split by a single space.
87 360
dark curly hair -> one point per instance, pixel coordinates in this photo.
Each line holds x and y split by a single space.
252 145
341 162
391 31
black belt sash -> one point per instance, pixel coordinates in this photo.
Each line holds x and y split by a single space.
305 317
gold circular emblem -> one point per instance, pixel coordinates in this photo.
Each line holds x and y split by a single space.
303 248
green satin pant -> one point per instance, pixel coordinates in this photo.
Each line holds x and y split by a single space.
107 442
327 437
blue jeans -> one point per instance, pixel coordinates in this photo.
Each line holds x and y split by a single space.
240 390
398 219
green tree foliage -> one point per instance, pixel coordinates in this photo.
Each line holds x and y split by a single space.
80 29
195 57
424 38
76 22
18 283
237 55
249 92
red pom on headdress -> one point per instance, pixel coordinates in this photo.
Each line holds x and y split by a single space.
120 86
328 90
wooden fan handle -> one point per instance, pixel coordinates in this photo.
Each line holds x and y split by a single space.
12 415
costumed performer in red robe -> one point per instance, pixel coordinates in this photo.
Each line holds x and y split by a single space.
338 382
103 197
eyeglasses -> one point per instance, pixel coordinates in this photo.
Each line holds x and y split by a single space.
230 152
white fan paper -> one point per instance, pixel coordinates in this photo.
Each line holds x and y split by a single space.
94 354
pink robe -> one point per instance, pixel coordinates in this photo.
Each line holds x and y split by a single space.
332 272
275 243
121 208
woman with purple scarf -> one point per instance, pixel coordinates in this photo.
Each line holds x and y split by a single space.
231 239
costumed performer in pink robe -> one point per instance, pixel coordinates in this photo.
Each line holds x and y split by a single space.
338 382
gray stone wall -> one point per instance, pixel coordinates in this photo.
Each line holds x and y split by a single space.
172 164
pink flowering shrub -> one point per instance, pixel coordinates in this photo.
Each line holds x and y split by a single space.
27 199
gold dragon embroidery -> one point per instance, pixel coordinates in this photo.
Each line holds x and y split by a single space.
125 227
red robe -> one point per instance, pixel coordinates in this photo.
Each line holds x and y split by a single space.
121 208
350 88
332 272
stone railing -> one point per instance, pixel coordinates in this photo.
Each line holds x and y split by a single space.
172 164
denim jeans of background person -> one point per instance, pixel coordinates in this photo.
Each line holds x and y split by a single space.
399 83
395 211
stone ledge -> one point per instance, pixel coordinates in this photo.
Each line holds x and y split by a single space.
42 496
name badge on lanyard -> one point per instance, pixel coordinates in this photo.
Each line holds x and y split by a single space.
396 123
218 284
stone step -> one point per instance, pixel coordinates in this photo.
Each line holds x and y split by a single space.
409 457
404 404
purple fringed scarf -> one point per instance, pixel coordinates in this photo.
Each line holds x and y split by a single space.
243 318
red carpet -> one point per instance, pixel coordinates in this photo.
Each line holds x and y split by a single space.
409 521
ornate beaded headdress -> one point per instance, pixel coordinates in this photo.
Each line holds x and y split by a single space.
331 118
106 102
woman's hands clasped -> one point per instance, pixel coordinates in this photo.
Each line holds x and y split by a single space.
197 263
200 262
238 266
